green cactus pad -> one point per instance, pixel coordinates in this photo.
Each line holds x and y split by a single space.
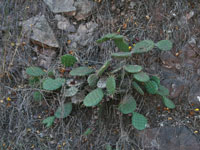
33 81
49 121
164 45
68 60
118 39
51 84
81 71
151 87
156 79
139 121
37 96
35 71
71 91
141 76
133 68
121 55
138 88
93 98
64 110
122 45
92 80
168 103
108 37
143 46
111 85
128 105
163 91
103 68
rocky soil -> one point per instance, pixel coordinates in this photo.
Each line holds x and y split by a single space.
37 33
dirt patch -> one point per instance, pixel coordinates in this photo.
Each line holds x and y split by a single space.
21 117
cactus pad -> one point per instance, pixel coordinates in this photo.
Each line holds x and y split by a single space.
35 71
121 55
64 110
108 37
133 68
81 71
138 88
122 45
103 68
93 98
141 76
49 121
143 46
156 79
71 91
139 121
68 60
37 96
163 91
168 103
92 80
111 85
128 105
151 87
164 45
51 84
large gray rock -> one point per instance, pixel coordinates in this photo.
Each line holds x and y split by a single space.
62 6
64 24
84 34
168 138
84 8
39 31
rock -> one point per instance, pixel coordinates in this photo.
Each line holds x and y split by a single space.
175 87
84 8
168 138
194 93
62 6
84 34
45 57
64 24
39 31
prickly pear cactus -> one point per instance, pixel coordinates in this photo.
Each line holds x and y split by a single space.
49 121
92 80
128 105
122 45
35 71
164 45
163 91
143 46
137 88
141 76
108 37
37 96
68 60
111 85
133 68
121 55
151 87
81 71
168 103
64 110
93 98
156 79
139 121
53 84
103 68
118 39
71 91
